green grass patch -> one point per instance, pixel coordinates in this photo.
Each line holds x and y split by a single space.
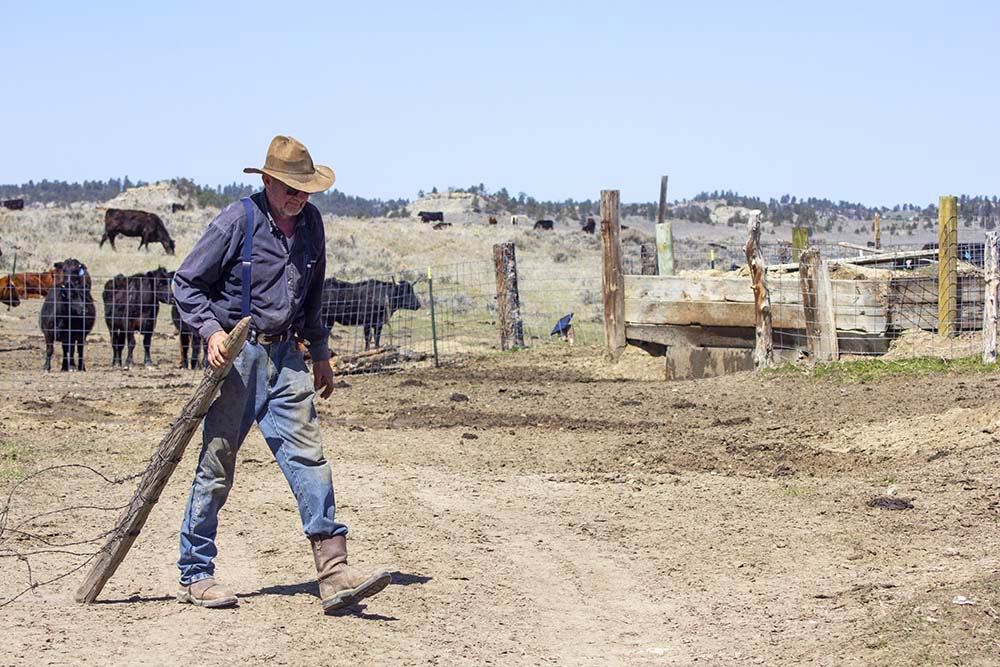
13 461
869 370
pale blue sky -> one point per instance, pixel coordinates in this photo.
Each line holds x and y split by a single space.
879 102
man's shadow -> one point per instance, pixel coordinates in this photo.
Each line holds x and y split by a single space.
312 588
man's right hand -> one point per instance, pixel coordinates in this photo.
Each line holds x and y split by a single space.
217 349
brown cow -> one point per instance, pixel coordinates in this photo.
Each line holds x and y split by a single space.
143 224
30 285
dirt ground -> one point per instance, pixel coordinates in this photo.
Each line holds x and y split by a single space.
536 508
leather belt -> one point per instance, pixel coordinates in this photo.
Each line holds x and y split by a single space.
262 338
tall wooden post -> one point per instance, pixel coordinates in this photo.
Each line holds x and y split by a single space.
817 304
763 352
800 241
161 467
947 265
664 235
991 275
508 300
647 254
878 231
614 279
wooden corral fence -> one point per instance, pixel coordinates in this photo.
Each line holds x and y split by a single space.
707 324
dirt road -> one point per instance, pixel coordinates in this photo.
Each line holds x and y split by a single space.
539 508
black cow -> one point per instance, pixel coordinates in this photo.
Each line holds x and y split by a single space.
68 314
13 204
190 338
543 224
369 303
431 216
590 226
143 224
177 207
132 304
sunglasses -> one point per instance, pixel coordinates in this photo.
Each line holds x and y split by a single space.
292 192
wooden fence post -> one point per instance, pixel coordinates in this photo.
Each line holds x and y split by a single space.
817 303
508 300
763 352
991 278
878 231
664 235
947 265
648 255
161 467
613 278
800 241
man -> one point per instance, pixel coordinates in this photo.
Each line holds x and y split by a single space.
265 256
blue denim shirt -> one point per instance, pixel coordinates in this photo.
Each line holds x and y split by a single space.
286 278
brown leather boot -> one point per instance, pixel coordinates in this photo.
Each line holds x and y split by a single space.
207 593
340 585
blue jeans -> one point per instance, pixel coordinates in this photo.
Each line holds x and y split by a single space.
269 384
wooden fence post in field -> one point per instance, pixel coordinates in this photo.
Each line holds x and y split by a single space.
763 352
664 235
991 271
800 241
161 467
878 231
817 303
647 253
508 300
947 265
614 280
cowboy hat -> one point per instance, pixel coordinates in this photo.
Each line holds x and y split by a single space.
289 162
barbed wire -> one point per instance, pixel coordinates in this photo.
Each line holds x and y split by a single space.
10 531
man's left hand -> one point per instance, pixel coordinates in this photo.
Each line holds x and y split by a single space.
323 377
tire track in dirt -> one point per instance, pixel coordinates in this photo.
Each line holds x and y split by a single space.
552 594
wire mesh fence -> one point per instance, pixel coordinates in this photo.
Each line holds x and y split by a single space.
438 315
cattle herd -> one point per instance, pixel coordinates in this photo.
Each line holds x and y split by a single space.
132 303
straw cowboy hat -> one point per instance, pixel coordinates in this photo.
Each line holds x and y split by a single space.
289 162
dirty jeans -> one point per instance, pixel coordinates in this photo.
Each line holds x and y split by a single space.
269 384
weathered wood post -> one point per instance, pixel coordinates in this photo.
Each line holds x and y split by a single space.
508 300
817 303
878 231
800 241
763 352
947 265
647 253
161 467
613 277
991 278
664 235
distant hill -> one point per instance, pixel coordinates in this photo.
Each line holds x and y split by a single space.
721 207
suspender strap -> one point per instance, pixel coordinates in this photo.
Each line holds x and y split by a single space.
248 207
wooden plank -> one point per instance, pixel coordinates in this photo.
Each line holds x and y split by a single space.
947 264
784 289
613 275
991 269
161 466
